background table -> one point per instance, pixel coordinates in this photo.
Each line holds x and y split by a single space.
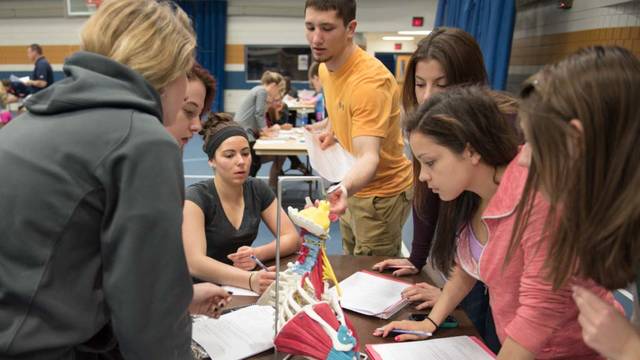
344 266
301 108
291 145
279 147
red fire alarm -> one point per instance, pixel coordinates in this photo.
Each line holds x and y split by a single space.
417 21
397 46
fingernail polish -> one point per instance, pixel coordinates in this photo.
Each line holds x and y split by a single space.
397 338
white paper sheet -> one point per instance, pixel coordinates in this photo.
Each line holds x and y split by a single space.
271 141
451 348
240 291
236 335
333 163
23 79
370 294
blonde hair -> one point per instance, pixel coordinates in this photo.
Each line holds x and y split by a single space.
153 38
272 77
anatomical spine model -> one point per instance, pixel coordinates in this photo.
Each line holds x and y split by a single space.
310 319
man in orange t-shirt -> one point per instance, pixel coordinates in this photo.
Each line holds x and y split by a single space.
362 100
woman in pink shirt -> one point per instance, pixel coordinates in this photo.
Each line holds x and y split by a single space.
582 122
468 154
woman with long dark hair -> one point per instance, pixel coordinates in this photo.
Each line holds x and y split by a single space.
468 153
582 124
446 58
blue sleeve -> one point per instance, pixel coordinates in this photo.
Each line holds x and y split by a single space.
40 71
320 104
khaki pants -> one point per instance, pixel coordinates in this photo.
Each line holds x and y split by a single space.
373 225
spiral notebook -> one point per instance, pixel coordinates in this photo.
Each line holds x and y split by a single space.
373 294
451 348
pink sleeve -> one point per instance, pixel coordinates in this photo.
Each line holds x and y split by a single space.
542 310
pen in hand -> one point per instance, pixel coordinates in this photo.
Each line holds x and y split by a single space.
257 261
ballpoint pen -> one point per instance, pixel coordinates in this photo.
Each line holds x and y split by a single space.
257 261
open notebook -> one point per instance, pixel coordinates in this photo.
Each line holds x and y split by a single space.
236 335
451 348
373 294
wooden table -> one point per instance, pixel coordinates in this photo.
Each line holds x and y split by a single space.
301 108
344 266
293 144
279 147
288 142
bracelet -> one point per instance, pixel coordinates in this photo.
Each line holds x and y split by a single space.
250 277
336 187
433 322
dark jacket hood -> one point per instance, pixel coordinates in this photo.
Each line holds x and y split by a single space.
96 81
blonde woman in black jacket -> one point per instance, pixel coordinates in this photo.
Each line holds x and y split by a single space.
91 257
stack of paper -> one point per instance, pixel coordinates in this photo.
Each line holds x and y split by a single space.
452 348
23 79
236 335
271 141
373 294
236 291
332 163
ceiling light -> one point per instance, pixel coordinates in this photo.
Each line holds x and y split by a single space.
414 32
398 38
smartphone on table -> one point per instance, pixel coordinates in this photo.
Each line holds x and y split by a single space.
449 323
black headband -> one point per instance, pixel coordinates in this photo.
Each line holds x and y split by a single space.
223 134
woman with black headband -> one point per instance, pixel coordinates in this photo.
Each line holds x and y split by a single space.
222 216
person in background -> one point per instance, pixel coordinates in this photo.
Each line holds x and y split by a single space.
278 118
318 98
252 110
363 103
222 216
581 121
92 257
278 114
289 90
468 151
5 115
251 115
445 58
42 76
15 90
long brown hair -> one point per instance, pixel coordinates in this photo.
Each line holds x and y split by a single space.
455 119
461 58
591 176
274 115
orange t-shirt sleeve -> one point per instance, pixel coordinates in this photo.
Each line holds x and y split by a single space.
371 108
